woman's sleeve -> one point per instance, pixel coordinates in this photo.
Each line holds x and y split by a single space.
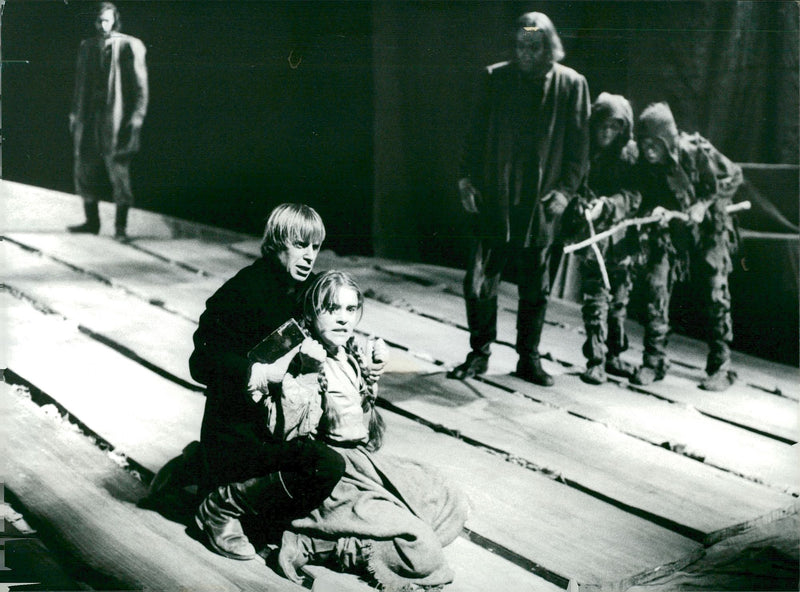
300 407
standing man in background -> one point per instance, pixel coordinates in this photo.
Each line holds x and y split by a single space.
525 158
108 110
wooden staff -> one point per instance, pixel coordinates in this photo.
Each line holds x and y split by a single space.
737 207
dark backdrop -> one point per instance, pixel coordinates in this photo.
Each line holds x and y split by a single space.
359 109
233 127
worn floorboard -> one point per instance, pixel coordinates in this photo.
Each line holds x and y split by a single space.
390 322
88 504
572 483
144 416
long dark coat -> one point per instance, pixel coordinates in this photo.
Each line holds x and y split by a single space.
126 96
562 152
247 308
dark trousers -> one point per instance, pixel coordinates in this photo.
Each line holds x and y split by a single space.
308 469
104 177
488 260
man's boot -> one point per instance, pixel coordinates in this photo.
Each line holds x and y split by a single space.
530 322
482 321
219 513
92 224
179 472
121 223
218 517
298 550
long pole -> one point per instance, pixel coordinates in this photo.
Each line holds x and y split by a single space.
744 205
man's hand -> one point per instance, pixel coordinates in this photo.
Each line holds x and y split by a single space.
697 212
129 138
377 356
555 203
470 197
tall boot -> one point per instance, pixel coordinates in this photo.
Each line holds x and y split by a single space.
121 223
530 322
219 513
92 225
482 321
298 550
218 517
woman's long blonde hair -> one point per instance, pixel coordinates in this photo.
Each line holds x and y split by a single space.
321 295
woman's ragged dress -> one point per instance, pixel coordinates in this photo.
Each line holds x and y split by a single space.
389 516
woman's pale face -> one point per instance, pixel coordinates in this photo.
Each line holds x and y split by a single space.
336 325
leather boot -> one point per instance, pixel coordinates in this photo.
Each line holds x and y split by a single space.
218 517
179 472
219 513
530 322
121 223
298 550
92 224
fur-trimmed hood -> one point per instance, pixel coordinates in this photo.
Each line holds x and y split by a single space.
613 106
657 122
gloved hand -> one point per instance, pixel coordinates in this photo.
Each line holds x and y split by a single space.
470 197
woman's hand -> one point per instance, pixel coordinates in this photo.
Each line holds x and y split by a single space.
261 375
312 355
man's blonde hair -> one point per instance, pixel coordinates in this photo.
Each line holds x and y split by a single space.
289 223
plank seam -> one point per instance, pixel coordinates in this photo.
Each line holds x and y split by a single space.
100 338
41 398
448 289
100 278
681 529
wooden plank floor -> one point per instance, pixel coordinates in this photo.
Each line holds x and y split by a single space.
594 486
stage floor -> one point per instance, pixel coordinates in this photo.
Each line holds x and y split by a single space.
573 487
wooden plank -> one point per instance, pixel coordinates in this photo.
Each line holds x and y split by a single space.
138 273
88 504
763 374
103 387
159 338
756 409
676 427
144 416
562 529
687 493
430 338
740 404
446 343
164 340
27 208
